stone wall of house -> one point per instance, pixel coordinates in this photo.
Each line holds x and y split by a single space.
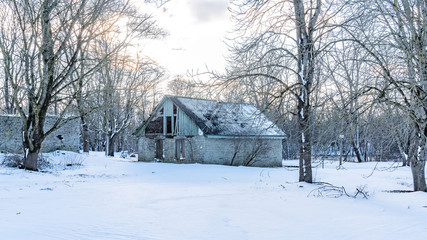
65 138
199 149
246 152
195 149
169 149
146 149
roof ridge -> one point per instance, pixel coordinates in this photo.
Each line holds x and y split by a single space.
210 100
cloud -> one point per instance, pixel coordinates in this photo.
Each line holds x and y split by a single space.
207 10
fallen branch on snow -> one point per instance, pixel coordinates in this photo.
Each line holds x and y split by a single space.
331 191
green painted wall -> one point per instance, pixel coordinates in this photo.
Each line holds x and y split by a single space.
168 107
185 126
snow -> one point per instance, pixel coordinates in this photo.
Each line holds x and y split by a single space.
301 73
114 198
227 119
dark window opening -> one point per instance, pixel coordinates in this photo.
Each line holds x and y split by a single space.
155 127
174 126
180 148
161 111
174 109
168 125
159 149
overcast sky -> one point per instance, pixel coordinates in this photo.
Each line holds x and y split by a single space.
197 30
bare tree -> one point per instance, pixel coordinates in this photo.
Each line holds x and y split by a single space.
287 40
125 84
399 55
180 86
49 38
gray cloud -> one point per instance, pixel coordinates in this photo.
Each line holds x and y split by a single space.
207 10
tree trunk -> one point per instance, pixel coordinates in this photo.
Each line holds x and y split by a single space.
305 149
404 162
31 160
306 63
7 98
109 151
111 148
418 160
31 142
402 147
357 152
85 135
341 149
304 138
418 174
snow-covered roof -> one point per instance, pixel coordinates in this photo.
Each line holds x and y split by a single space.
227 119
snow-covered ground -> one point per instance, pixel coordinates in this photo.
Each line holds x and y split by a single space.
113 198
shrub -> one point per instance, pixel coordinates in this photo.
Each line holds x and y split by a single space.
44 162
13 160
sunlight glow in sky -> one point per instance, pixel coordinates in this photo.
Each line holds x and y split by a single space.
197 30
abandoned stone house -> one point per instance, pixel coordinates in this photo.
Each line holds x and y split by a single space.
188 130
65 138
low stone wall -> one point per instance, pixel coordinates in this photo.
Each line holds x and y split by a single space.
65 138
